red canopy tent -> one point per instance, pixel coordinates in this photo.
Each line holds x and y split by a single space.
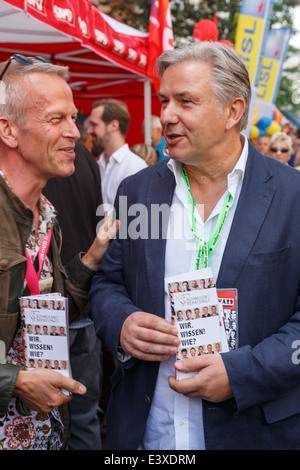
106 58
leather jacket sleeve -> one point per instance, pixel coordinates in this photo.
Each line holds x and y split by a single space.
8 377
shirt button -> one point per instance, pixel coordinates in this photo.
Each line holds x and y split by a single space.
3 264
181 423
147 399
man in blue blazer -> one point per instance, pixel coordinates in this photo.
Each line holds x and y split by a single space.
247 398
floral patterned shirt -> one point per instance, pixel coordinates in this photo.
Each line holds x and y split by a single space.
20 427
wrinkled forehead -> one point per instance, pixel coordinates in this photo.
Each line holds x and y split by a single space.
45 85
49 92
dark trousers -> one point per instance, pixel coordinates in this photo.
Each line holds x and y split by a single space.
85 357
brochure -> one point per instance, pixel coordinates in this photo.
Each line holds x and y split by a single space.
198 315
45 321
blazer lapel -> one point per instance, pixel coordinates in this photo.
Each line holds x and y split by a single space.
255 199
160 194
254 202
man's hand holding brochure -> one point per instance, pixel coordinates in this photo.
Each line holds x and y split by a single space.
198 316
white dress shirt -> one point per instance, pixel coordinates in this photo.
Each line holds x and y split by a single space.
121 164
175 421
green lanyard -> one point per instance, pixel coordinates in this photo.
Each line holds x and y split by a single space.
204 249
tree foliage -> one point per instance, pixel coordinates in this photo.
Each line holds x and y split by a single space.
186 13
289 91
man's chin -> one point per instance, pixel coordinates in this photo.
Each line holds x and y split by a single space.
69 172
63 171
178 157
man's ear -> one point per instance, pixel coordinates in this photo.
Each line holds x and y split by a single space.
8 132
235 110
114 125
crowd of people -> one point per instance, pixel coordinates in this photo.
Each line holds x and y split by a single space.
59 184
284 146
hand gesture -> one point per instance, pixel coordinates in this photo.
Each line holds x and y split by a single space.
106 233
41 389
210 381
148 337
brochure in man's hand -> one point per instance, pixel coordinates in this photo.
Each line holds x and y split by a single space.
198 315
45 327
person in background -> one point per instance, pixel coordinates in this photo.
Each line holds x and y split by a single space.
108 125
262 143
91 144
146 152
280 147
85 138
295 157
158 141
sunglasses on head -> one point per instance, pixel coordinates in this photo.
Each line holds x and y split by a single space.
21 59
275 150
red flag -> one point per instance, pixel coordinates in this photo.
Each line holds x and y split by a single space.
160 35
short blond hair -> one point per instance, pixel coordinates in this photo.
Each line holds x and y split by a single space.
146 152
281 137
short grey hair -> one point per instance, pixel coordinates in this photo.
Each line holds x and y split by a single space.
16 102
230 75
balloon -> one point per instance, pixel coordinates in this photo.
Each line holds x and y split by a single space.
215 19
274 127
227 43
264 122
254 132
206 30
278 116
262 132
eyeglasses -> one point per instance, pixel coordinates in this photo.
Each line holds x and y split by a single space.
275 150
21 59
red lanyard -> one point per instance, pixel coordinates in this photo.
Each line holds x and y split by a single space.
32 277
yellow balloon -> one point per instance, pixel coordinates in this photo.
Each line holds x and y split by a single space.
274 127
254 132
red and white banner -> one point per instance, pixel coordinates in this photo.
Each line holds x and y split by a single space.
160 35
95 30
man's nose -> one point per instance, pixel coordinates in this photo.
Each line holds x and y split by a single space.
71 130
169 114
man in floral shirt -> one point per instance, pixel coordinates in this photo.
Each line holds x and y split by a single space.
37 139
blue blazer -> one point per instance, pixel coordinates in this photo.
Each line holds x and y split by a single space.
261 260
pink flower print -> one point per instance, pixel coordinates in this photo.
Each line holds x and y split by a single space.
21 432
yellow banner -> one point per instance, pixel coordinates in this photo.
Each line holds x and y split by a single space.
266 79
248 42
272 58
